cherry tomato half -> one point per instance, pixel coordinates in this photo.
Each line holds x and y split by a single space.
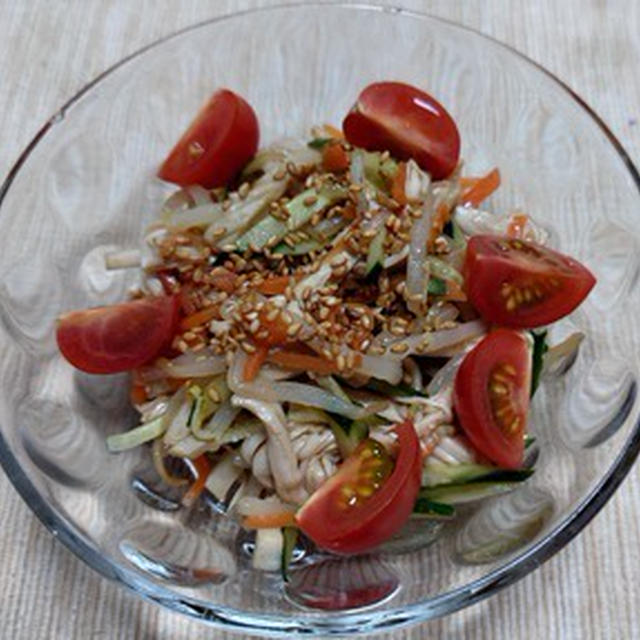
407 122
119 337
216 146
491 396
521 284
368 499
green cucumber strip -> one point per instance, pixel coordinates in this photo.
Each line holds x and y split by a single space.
348 434
376 171
300 249
290 536
437 286
375 256
432 509
299 213
469 491
319 143
540 347
528 441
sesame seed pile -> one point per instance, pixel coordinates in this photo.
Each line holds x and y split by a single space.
227 294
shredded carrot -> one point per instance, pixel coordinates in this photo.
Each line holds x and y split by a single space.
441 217
269 520
303 362
455 292
397 184
428 449
516 226
202 468
199 318
475 190
138 395
335 158
224 280
334 132
274 286
254 362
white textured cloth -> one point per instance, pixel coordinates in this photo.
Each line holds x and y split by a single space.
49 50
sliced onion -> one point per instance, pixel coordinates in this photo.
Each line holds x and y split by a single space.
417 268
260 388
442 312
251 506
476 221
192 364
222 419
416 182
158 456
125 259
442 342
311 396
279 449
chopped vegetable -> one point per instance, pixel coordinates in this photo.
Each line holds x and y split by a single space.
476 190
540 347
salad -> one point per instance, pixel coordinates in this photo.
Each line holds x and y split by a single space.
330 336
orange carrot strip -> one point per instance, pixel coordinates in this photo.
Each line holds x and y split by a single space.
397 184
455 292
303 362
198 318
516 225
441 217
475 190
137 395
269 520
274 286
254 362
334 132
202 468
335 158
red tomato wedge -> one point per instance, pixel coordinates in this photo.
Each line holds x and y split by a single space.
520 284
117 338
365 502
217 144
407 122
491 396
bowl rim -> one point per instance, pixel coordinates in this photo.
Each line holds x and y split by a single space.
319 624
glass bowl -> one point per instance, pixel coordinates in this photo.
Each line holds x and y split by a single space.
86 185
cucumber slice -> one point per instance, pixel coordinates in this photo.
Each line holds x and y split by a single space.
375 255
425 508
348 434
437 286
290 537
300 213
470 491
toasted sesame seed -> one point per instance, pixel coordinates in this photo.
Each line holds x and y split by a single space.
213 394
254 326
228 248
279 174
377 350
248 347
399 347
341 363
272 315
293 329
226 204
310 200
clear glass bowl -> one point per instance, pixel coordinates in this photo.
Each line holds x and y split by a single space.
86 184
